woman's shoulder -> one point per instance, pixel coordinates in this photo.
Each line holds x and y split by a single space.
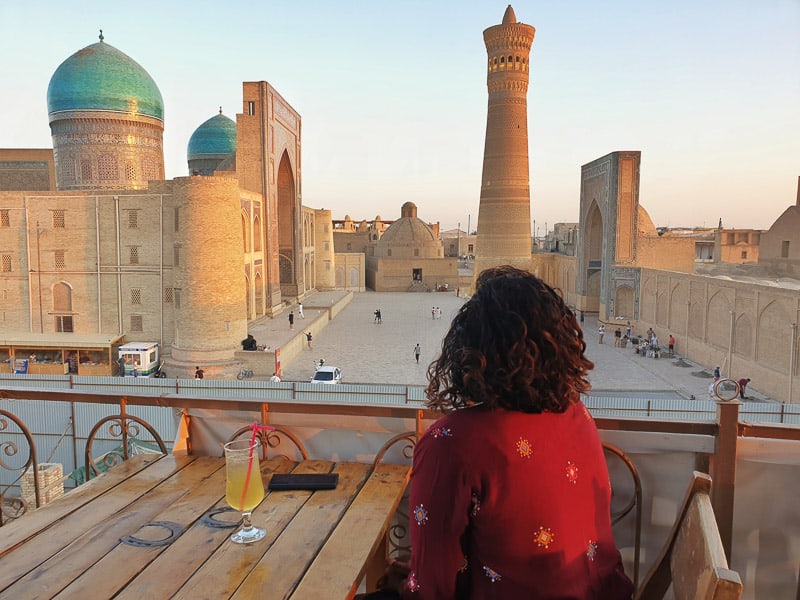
480 417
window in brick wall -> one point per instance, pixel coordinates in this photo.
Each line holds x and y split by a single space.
785 249
149 169
130 172
107 167
176 256
177 218
5 218
134 255
6 263
136 296
63 323
133 219
68 169
177 298
62 298
58 218
86 170
744 253
58 259
136 323
251 108
168 296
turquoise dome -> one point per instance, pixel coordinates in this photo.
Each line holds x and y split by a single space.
215 137
100 77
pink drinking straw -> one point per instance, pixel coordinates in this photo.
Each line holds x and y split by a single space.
256 428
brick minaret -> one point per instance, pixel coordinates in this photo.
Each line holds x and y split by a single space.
504 218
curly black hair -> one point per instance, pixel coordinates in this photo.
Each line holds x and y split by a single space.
515 344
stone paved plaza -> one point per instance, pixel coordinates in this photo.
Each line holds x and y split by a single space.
372 353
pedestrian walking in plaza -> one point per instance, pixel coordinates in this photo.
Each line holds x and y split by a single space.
417 352
617 337
742 385
275 378
300 311
601 331
650 334
628 330
711 392
433 312
291 320
717 373
378 316
121 366
308 339
198 373
671 343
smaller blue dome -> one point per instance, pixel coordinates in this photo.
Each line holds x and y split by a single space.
214 138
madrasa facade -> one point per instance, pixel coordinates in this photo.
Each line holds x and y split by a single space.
95 243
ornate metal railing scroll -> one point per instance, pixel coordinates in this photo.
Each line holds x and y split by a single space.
398 544
12 507
271 439
125 427
617 514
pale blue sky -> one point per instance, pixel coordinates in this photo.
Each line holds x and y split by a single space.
393 94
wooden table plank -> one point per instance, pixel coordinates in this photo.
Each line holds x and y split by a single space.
340 565
223 572
126 562
172 568
111 516
20 530
281 568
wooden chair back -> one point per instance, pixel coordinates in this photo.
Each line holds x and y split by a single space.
693 559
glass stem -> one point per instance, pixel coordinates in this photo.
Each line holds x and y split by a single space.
246 520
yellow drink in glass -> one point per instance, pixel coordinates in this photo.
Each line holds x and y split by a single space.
235 494
244 488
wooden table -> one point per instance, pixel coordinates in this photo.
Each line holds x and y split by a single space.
319 545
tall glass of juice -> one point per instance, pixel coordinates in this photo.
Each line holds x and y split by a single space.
244 488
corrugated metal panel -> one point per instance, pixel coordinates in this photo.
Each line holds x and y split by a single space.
39 416
671 410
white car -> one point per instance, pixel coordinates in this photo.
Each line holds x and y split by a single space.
329 375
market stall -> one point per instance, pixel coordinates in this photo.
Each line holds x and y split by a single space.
60 354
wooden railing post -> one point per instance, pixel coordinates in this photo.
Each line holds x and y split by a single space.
724 470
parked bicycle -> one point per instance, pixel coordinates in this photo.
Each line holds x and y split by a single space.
244 373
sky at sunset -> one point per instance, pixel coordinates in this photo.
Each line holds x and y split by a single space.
393 94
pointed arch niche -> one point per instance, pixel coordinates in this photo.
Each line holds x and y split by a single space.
593 256
287 227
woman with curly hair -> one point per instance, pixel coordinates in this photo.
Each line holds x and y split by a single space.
510 491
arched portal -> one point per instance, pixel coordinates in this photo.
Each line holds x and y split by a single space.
287 227
593 257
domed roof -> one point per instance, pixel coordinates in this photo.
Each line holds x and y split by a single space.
215 137
408 228
100 77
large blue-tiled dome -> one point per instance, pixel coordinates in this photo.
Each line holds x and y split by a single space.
100 77
214 138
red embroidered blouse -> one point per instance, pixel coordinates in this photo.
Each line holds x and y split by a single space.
512 505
